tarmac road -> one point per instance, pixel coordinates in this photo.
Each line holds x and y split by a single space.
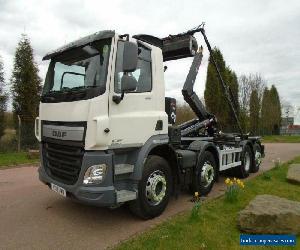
34 217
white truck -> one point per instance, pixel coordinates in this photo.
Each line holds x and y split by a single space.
106 130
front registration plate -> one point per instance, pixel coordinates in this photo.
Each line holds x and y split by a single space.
58 190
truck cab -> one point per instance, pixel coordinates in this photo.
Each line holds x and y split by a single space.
106 137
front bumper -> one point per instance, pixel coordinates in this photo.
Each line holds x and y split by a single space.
103 195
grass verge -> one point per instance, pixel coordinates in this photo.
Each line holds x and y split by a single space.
11 159
282 138
216 227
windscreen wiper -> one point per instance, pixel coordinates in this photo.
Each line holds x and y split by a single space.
67 89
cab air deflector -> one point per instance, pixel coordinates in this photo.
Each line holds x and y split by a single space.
81 42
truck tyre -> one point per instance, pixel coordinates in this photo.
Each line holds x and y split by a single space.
243 170
154 188
257 158
205 174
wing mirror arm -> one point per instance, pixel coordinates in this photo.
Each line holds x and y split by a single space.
128 84
117 99
130 58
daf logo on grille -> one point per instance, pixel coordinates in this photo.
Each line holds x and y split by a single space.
59 134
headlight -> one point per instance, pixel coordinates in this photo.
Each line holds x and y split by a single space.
95 174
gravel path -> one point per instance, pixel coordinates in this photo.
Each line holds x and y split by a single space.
34 217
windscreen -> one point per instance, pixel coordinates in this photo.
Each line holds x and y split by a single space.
78 74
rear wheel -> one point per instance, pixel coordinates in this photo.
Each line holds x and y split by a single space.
205 174
257 158
154 188
243 170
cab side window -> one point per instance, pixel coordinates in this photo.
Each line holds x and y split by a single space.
143 73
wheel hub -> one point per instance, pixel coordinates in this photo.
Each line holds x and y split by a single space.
258 158
156 187
207 174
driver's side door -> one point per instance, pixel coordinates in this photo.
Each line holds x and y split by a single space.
133 120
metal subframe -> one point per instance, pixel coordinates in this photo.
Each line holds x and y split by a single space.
229 158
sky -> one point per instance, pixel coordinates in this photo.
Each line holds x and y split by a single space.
255 36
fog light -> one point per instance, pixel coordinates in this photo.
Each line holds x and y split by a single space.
95 174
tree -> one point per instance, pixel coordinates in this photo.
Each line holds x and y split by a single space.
3 98
214 95
254 112
26 86
247 84
212 91
184 113
275 110
271 111
265 111
232 81
266 117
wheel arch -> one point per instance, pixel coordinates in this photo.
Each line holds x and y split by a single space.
202 146
156 145
168 153
249 143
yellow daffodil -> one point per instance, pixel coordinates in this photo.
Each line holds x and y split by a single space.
230 183
234 179
227 181
241 184
196 194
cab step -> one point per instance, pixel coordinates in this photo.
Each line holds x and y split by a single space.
123 169
125 195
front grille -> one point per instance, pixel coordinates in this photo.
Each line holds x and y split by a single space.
62 162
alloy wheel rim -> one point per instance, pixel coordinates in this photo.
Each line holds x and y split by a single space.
207 174
156 187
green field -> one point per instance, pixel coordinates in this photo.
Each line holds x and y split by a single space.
10 159
217 226
282 138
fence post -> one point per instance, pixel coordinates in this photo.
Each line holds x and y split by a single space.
19 136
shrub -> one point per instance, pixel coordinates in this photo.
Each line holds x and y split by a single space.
8 142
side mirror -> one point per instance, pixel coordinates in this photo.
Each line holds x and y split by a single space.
128 83
130 56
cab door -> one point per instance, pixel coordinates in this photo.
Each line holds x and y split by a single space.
134 119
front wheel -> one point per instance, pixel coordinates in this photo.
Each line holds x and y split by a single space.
154 188
205 174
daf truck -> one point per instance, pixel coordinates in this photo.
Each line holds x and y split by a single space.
107 131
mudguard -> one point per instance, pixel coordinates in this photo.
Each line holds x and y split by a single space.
151 143
201 146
